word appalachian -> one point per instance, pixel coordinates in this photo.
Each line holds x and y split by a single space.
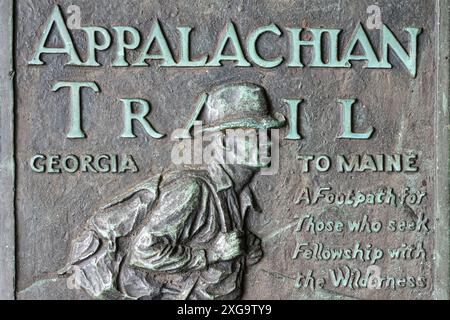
245 53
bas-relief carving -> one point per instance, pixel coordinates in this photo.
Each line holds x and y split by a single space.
181 234
109 258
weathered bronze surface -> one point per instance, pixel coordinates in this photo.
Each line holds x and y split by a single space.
344 103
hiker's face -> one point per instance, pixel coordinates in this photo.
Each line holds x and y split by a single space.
247 147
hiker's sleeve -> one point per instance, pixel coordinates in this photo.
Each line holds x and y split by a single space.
163 244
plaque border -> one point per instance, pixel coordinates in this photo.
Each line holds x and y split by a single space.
8 162
7 152
442 222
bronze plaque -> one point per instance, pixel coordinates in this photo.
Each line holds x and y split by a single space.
215 150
